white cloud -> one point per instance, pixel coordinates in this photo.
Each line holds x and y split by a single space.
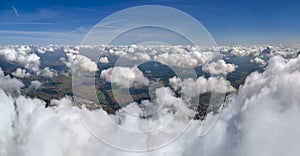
261 119
80 63
181 58
44 49
271 110
104 60
47 72
1 72
175 83
20 73
176 60
219 67
72 50
177 56
34 85
259 61
202 85
22 55
7 117
11 85
125 77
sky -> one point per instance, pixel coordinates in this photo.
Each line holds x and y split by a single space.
229 22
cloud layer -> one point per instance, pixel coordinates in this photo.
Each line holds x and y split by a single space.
261 118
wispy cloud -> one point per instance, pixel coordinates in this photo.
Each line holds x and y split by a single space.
27 23
57 34
13 8
40 37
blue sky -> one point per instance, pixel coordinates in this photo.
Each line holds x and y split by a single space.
230 22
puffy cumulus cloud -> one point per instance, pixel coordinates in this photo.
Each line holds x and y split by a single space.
10 85
55 131
34 85
262 119
126 77
104 60
197 55
175 83
213 84
44 49
27 57
176 60
59 130
22 55
259 61
47 72
166 97
243 50
219 67
1 72
191 87
7 117
20 73
79 63
258 50
278 106
72 50
185 59
141 56
284 50
178 56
